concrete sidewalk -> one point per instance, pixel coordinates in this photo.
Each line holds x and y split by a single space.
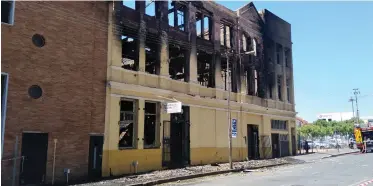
324 153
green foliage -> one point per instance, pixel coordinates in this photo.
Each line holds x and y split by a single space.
322 128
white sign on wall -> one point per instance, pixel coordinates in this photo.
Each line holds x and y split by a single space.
172 107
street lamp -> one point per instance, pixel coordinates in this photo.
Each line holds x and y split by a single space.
254 53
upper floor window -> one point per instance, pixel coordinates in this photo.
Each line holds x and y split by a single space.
278 54
7 12
225 35
279 125
176 15
287 57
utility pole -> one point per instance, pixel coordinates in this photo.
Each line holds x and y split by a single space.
356 92
353 110
228 83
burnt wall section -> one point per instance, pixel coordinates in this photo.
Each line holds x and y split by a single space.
182 26
71 71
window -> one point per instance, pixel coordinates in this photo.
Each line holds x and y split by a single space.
7 12
4 93
176 15
225 35
287 56
279 125
288 89
279 87
150 8
278 50
130 4
244 43
151 126
126 124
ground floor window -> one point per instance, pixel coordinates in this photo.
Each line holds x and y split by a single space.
151 126
127 124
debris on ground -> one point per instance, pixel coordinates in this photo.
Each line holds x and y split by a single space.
163 174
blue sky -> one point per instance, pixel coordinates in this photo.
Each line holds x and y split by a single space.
332 53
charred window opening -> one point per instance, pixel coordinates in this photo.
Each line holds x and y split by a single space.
151 57
203 26
270 90
7 12
129 53
150 8
176 15
253 81
177 63
130 4
287 57
204 68
278 53
246 43
151 128
288 88
126 124
279 87
225 35
227 80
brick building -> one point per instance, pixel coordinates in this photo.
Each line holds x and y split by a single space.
54 62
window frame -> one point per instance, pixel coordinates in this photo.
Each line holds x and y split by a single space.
157 125
135 123
12 12
4 106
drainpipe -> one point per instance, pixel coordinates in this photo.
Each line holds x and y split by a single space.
54 160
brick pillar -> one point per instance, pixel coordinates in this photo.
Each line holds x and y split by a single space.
114 38
140 7
275 85
163 56
191 68
215 37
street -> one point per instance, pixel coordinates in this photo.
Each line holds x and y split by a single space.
348 170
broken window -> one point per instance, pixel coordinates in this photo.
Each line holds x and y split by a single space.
129 53
203 26
126 124
244 43
252 79
207 33
176 15
150 8
177 63
278 54
225 35
279 87
151 57
204 69
227 78
288 89
150 125
7 12
130 4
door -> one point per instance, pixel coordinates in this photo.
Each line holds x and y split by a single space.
95 156
34 150
293 142
275 146
252 142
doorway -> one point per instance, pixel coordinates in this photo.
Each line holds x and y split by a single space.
34 151
275 145
293 142
176 140
95 157
253 142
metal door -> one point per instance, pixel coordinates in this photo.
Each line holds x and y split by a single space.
95 156
166 144
34 150
275 145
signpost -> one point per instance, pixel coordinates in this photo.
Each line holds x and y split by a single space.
234 128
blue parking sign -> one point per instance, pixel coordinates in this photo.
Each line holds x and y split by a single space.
234 128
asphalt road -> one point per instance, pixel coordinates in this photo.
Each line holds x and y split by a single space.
347 170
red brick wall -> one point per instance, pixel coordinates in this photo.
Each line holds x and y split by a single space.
71 70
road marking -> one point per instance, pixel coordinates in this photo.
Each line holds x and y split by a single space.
366 183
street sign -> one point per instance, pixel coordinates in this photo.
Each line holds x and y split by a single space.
234 128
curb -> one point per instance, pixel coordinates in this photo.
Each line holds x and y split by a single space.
167 180
336 155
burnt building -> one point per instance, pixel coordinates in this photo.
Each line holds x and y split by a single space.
53 64
198 53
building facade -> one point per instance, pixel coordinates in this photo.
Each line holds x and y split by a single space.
157 53
53 65
86 84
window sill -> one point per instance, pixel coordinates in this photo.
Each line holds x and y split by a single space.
7 24
152 147
126 148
